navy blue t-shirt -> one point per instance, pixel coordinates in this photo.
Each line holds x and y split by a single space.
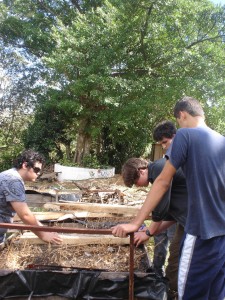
200 152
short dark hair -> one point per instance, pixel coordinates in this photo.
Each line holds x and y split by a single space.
30 157
190 105
130 170
164 129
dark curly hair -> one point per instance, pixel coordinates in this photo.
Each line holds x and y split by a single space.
165 129
30 157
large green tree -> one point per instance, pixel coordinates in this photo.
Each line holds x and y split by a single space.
121 64
16 103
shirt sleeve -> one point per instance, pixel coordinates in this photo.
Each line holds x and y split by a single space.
162 208
14 191
177 153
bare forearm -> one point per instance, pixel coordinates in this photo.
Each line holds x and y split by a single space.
154 227
158 227
30 219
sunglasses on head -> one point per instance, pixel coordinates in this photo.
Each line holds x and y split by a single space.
36 170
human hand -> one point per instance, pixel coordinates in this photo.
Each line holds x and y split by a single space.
140 237
122 230
51 237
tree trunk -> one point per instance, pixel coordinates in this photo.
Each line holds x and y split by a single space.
83 143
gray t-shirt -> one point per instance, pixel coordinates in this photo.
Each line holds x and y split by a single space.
11 189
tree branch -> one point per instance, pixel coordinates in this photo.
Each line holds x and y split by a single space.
144 30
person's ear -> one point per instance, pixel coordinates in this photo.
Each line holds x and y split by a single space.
183 115
142 171
24 165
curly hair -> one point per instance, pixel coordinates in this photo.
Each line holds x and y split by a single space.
130 170
165 129
30 157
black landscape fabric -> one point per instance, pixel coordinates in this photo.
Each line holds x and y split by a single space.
80 284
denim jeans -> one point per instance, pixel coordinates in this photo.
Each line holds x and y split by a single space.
162 241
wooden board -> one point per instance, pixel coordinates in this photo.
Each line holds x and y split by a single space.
81 214
38 199
77 239
45 216
95 208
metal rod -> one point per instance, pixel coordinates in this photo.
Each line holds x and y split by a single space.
55 229
131 271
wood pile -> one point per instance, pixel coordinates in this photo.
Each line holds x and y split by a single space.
110 191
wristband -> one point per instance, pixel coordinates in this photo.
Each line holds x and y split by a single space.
147 232
142 227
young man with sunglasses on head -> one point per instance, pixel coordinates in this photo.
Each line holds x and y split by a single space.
27 166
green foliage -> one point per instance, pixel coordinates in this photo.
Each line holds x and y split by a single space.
52 126
111 70
66 162
6 160
215 113
91 161
7 157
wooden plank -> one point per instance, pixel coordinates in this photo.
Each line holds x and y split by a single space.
94 207
157 152
77 239
44 216
37 199
83 214
61 216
